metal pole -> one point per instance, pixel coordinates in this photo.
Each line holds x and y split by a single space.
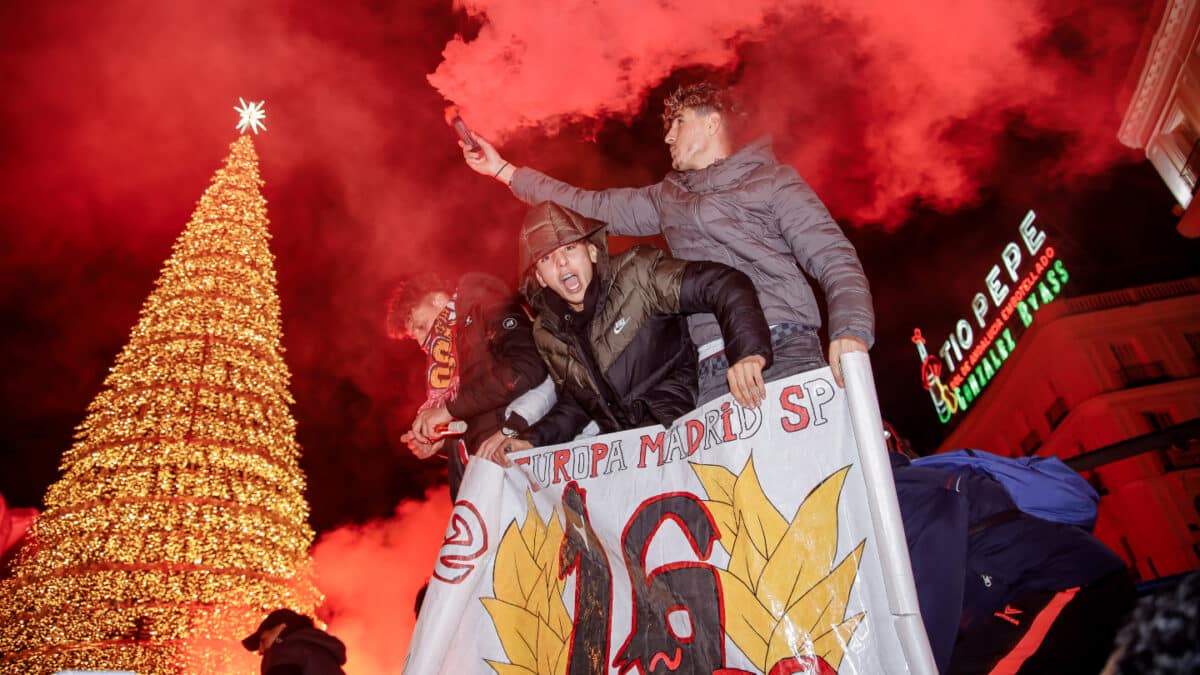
885 512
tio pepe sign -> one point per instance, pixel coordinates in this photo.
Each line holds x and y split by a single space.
1028 276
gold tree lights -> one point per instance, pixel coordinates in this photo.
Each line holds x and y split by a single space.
180 516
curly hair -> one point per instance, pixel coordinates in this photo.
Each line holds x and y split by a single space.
407 295
705 97
1163 636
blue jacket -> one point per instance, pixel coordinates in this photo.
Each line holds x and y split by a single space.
973 552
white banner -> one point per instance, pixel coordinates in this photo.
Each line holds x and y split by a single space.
737 541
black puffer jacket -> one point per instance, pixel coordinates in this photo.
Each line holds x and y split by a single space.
497 359
626 359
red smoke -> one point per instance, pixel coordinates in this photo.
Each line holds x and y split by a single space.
113 121
540 62
866 97
370 575
14 524
116 114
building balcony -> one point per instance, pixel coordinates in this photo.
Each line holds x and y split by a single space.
1178 448
1141 374
1189 224
1057 412
1191 167
1031 443
1181 456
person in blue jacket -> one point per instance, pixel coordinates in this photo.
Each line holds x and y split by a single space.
1002 591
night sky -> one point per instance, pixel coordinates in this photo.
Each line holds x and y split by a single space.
929 128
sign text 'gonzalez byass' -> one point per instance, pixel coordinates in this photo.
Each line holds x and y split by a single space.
1028 276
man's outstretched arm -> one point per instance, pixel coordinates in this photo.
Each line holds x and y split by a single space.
627 211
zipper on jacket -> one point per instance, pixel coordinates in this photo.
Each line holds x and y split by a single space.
600 384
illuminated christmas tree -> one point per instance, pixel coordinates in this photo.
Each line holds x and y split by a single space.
180 517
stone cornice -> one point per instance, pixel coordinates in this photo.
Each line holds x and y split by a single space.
1168 51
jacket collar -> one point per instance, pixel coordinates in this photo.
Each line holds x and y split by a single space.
727 172
566 319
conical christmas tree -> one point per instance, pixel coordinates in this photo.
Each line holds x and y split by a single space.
180 516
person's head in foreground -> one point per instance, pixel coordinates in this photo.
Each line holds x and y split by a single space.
1163 634
414 307
698 119
273 627
560 251
290 644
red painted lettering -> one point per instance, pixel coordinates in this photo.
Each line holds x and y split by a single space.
726 424
599 452
695 434
785 400
561 459
655 445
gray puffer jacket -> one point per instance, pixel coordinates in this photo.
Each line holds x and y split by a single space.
749 212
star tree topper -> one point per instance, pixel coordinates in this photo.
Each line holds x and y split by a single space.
252 116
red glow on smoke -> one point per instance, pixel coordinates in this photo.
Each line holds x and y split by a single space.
14 524
536 63
117 113
878 102
370 575
115 118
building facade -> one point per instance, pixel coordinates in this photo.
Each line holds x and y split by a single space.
1164 112
1094 372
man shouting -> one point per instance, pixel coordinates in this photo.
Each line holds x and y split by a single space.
735 206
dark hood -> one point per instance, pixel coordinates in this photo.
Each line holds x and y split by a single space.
548 226
320 640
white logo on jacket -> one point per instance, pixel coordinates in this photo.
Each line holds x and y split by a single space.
619 325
